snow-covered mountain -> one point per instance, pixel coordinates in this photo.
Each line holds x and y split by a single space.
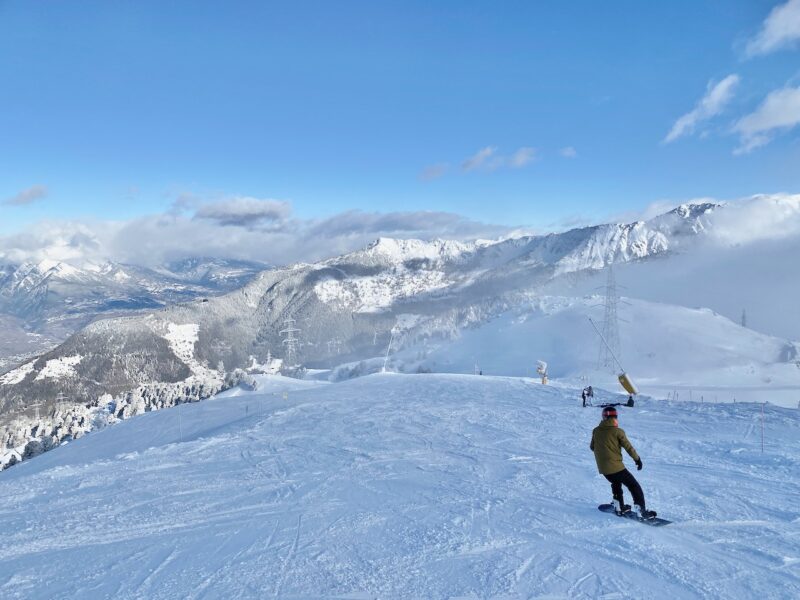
46 301
393 296
400 486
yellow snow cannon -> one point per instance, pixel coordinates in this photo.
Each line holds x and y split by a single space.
626 382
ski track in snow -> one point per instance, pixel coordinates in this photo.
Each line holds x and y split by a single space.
393 486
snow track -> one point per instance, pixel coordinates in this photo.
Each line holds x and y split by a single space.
426 486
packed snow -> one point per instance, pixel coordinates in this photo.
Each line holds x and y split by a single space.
14 376
57 368
182 340
406 486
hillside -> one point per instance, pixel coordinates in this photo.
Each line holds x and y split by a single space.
434 486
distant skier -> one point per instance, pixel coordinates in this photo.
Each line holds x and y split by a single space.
607 440
587 393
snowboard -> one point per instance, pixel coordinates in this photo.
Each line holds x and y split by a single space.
654 522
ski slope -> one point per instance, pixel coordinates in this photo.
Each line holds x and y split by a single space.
668 350
405 486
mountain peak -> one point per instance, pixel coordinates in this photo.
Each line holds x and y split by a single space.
690 210
399 249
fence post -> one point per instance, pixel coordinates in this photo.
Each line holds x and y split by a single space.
180 424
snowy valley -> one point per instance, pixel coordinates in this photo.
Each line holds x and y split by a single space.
42 303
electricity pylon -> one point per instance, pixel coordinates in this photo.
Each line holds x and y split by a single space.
611 348
290 341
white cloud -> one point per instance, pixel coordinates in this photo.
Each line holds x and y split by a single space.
742 221
762 217
487 159
780 111
434 171
710 105
59 241
28 196
781 29
244 211
479 159
522 157
568 152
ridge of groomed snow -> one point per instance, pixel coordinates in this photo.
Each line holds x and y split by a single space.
426 486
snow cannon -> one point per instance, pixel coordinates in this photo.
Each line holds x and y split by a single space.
626 382
541 369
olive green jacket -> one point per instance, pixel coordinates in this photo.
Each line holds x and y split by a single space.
607 439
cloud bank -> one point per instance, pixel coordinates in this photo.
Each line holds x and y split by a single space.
243 228
762 217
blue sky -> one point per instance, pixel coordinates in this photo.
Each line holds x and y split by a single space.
115 110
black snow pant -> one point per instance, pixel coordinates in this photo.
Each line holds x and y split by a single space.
625 478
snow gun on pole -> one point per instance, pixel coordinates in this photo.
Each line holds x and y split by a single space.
624 380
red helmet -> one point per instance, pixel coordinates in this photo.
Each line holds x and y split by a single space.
609 412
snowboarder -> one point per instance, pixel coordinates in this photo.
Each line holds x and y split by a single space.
607 440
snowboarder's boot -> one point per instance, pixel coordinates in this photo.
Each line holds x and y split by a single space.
621 508
644 513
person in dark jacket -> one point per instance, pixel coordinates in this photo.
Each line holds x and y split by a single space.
608 439
587 393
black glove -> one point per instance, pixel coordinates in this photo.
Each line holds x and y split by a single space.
639 465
